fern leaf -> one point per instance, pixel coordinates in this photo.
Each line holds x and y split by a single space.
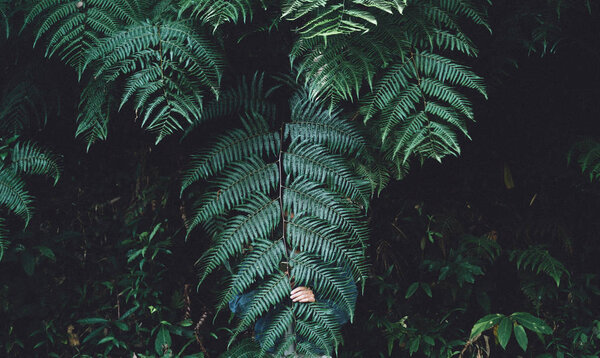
219 12
268 295
258 223
539 260
168 65
307 197
239 181
257 264
31 159
328 281
256 139
317 164
316 236
13 195
94 112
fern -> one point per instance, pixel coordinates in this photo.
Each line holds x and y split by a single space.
219 12
278 188
94 112
539 260
72 27
323 18
587 154
167 66
28 158
22 106
413 95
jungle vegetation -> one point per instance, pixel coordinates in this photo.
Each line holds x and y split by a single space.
161 157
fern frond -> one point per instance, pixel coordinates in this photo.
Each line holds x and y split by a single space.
238 182
315 236
587 153
256 139
28 158
261 217
244 349
310 122
309 198
22 106
216 13
257 264
539 260
73 27
329 19
168 65
316 163
318 209
277 328
13 195
331 282
94 112
421 108
267 296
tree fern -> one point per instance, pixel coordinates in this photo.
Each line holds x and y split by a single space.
280 188
72 27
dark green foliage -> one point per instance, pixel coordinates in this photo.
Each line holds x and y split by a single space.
72 27
277 190
587 154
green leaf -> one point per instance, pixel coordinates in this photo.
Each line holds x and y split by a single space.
91 320
121 325
521 336
504 331
427 289
163 340
411 289
485 323
531 322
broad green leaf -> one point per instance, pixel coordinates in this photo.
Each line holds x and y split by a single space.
411 289
163 340
485 323
427 289
521 336
531 322
504 331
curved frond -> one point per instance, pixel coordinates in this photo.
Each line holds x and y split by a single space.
316 236
72 27
261 217
13 195
318 164
309 198
539 260
219 12
94 112
167 67
255 139
310 122
30 159
331 282
238 182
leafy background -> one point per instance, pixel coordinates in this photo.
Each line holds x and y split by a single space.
505 233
